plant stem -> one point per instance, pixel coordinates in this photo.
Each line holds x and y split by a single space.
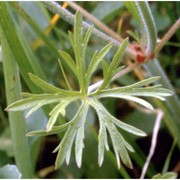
167 36
69 17
16 119
96 21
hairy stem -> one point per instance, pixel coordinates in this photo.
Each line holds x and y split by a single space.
69 17
96 21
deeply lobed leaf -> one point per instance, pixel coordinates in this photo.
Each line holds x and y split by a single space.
107 121
66 144
75 128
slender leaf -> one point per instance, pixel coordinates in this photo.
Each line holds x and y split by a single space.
86 40
36 107
115 62
104 114
59 109
168 159
153 91
127 97
105 67
64 75
119 69
66 144
103 142
69 61
47 87
54 130
30 102
79 145
16 46
96 60
13 89
71 38
168 175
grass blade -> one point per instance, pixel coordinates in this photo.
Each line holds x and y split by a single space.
16 119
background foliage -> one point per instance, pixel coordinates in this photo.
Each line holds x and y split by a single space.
36 52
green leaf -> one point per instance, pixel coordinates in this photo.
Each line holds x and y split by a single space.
127 145
113 66
96 60
65 147
36 107
66 144
168 175
54 130
128 92
79 145
145 82
125 156
79 53
168 159
69 61
58 109
47 87
105 67
119 143
17 46
154 91
71 38
12 90
104 114
102 138
119 69
64 75
33 101
128 128
78 29
118 56
126 97
78 42
86 39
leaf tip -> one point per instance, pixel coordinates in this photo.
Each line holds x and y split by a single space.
30 75
48 128
79 164
6 109
100 162
29 134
